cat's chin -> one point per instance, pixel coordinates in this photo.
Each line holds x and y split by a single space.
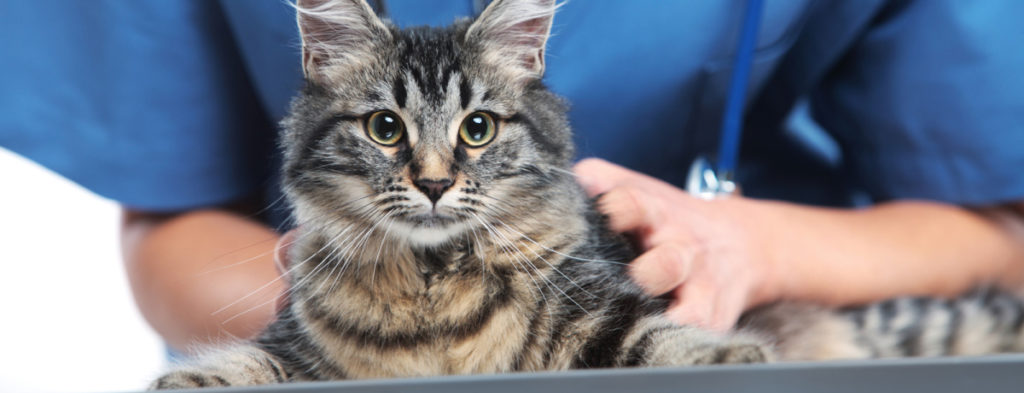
428 233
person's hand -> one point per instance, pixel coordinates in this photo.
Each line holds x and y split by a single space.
708 254
282 263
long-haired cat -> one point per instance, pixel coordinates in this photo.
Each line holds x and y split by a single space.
443 233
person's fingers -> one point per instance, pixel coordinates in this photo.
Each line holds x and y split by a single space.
284 244
695 305
727 312
598 176
282 262
628 209
662 268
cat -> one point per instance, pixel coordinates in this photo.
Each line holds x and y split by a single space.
442 231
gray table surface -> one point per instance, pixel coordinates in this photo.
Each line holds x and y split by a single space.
1004 373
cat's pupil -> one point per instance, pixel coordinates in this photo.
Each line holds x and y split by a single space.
387 127
477 127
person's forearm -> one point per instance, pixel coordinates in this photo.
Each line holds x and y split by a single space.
185 268
843 257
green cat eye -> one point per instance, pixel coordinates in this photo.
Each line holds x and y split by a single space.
385 127
478 129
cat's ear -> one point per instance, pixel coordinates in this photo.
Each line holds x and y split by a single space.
337 33
513 33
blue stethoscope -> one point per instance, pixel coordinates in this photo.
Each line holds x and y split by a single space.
706 181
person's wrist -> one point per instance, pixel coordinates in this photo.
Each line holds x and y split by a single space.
765 233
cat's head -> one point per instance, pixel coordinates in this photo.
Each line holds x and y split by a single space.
429 132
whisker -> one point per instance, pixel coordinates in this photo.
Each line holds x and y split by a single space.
258 256
271 282
383 239
268 207
301 282
293 267
476 252
349 253
553 267
373 273
290 289
513 229
346 258
248 310
530 264
516 264
325 261
242 262
567 172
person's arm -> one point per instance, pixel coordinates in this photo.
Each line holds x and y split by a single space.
897 248
721 257
184 268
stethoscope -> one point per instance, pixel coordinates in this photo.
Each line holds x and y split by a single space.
704 180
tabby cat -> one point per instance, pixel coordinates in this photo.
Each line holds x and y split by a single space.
443 233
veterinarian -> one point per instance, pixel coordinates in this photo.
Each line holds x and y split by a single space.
908 180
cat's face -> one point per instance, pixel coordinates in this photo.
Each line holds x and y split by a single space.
426 134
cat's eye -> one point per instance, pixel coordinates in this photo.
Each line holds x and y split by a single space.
477 129
385 127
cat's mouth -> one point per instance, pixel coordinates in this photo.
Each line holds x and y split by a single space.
431 219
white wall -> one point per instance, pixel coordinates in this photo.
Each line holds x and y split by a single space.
68 321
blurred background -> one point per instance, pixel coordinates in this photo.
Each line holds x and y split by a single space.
69 321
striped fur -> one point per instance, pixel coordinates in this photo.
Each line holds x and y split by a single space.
512 268
984 321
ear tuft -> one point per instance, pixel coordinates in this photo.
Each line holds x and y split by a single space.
513 34
337 32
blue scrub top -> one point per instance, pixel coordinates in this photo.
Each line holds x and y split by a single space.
173 105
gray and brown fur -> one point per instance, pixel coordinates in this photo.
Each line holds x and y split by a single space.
511 269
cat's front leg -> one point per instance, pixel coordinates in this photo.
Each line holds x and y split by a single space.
241 365
664 344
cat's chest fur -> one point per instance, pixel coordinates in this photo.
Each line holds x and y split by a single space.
433 312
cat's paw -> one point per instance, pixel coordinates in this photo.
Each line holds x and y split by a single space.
736 353
692 351
188 379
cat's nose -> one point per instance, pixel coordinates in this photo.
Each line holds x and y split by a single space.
434 188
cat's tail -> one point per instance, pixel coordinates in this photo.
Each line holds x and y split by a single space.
984 321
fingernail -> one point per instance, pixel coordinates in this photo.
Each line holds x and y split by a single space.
649 280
